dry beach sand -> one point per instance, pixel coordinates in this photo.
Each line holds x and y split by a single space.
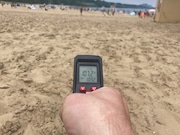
140 58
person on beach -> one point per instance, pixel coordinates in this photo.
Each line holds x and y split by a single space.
113 11
142 15
101 112
2 4
81 10
139 13
103 10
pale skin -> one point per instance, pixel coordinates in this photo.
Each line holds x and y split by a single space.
101 112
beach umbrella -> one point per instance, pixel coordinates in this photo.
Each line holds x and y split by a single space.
151 10
132 14
32 7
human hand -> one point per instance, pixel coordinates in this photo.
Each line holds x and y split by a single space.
101 112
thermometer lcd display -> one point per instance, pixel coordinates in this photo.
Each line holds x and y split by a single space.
87 74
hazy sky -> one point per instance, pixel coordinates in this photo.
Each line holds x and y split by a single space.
151 2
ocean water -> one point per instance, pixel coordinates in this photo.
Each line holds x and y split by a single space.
127 10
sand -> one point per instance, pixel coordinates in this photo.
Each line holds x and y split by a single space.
140 58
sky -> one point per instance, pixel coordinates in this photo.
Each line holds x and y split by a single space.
150 2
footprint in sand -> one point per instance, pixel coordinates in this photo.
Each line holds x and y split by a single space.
40 76
1 65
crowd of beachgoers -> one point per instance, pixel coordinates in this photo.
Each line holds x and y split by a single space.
111 11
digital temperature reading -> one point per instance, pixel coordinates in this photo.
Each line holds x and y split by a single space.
87 74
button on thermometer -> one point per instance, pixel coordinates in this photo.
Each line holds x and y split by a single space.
88 73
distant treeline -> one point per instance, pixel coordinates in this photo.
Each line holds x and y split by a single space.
85 3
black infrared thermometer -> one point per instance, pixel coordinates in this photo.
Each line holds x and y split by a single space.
88 73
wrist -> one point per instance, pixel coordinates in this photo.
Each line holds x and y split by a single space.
119 125
110 125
